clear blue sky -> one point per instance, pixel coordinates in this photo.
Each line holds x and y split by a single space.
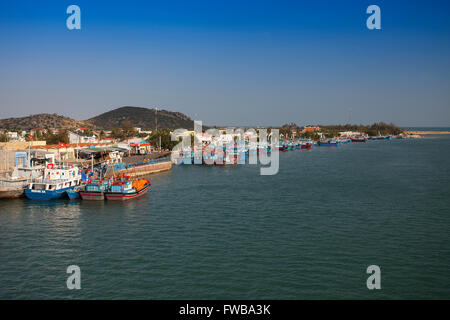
230 62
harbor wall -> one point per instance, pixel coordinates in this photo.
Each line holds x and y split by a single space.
20 145
7 161
144 169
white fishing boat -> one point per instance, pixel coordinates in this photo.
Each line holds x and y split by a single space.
54 184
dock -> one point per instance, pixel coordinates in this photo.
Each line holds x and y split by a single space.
141 165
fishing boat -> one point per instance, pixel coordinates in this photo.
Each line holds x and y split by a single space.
328 143
306 145
13 186
124 188
74 193
379 137
95 189
344 140
54 184
358 139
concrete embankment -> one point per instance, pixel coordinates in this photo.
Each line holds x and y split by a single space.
142 170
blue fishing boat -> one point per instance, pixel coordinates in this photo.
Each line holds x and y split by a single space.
95 189
74 193
54 184
328 143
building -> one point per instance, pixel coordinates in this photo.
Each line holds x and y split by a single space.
80 137
311 129
350 134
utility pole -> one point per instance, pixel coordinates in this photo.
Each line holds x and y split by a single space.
156 126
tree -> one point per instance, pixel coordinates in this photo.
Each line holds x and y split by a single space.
166 139
128 129
4 137
61 136
117 133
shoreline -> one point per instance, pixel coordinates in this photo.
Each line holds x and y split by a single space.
426 132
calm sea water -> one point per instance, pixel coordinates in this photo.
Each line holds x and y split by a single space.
228 233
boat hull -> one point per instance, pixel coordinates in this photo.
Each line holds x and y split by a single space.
306 146
73 195
120 196
331 144
92 196
45 195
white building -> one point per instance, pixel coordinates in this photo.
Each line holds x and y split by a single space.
79 137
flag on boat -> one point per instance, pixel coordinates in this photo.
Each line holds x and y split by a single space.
62 145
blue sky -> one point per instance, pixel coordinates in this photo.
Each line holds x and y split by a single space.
230 62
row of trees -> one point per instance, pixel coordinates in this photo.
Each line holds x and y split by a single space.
331 131
371 130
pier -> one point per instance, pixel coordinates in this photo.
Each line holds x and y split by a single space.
143 165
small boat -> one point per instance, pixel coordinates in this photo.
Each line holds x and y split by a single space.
306 146
283 147
54 184
95 189
124 189
358 139
327 143
74 194
344 141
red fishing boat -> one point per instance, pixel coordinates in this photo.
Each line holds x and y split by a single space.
306 146
358 139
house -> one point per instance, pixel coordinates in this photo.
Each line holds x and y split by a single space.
13 135
350 134
311 129
80 137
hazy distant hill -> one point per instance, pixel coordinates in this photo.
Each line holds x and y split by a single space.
41 121
141 117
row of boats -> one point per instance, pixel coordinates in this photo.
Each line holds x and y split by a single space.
338 141
239 154
67 181
234 153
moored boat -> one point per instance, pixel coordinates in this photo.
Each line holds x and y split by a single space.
74 193
54 184
327 143
358 139
306 146
124 189
95 189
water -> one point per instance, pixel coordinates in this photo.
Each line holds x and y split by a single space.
228 233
